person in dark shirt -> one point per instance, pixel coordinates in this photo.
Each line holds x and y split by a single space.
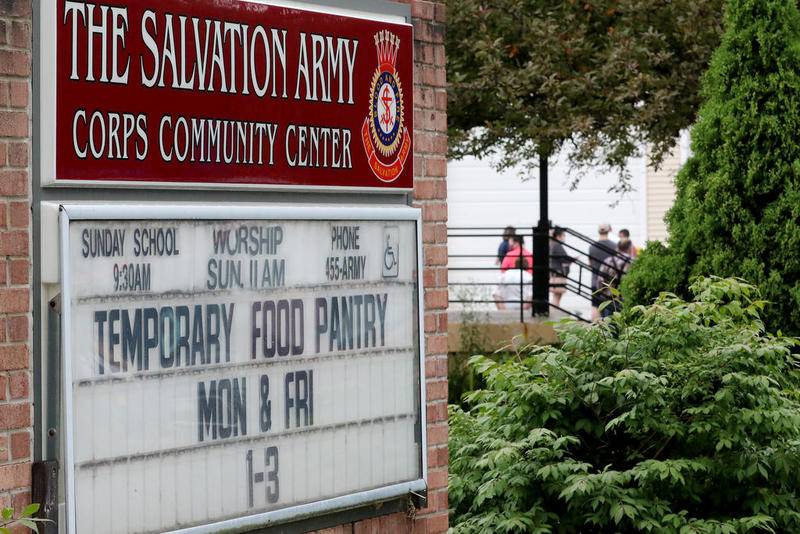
559 265
598 252
611 272
505 244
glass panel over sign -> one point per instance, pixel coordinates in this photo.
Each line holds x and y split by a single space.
227 368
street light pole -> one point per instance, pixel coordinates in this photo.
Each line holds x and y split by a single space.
541 247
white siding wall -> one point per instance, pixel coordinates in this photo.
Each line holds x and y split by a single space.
661 194
478 196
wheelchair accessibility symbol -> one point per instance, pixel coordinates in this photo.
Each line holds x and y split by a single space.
391 237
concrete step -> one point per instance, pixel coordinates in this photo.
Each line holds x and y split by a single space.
488 331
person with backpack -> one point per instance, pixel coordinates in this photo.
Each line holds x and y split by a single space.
611 272
598 252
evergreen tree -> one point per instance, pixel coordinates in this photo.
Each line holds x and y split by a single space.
738 197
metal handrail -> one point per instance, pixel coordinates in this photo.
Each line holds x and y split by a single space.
623 257
575 282
485 235
590 241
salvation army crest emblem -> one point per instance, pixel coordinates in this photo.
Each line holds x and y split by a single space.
384 135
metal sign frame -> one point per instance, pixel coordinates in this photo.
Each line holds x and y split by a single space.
144 211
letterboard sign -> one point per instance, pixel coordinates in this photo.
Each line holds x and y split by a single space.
232 367
224 92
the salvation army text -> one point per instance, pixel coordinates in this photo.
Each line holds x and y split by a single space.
185 53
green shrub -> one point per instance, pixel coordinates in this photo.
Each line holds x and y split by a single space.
655 270
461 377
737 210
23 521
676 417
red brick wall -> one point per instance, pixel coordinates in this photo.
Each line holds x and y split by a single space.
15 242
430 194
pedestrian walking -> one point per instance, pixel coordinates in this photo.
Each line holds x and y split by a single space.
625 234
515 288
612 271
598 252
559 265
516 250
505 244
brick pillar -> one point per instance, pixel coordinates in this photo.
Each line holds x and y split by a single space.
15 242
430 194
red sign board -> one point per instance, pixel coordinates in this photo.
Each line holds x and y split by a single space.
226 92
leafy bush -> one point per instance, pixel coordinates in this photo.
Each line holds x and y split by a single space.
472 340
23 521
656 269
461 377
737 211
676 417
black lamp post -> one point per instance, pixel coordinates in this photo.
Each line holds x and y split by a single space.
541 247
